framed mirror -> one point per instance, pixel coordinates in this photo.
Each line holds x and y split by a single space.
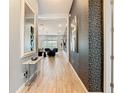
28 33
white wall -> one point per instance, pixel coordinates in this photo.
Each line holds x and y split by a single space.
16 68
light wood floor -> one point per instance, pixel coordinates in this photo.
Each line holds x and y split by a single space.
56 76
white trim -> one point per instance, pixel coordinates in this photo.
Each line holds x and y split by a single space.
79 79
65 55
21 88
23 85
53 16
66 58
107 46
23 3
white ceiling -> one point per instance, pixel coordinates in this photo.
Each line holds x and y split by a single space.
51 13
52 27
54 8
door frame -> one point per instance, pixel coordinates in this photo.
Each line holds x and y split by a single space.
108 45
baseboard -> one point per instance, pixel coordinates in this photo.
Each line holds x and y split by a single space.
79 79
23 85
21 88
65 55
67 59
82 82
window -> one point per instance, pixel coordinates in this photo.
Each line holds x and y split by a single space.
49 44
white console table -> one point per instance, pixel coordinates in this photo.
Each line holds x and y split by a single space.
37 63
33 62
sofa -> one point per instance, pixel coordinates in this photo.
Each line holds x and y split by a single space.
51 53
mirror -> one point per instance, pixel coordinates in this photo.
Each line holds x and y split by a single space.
28 30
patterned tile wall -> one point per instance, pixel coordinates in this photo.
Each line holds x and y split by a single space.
96 45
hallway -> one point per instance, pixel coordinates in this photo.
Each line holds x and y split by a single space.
40 28
56 76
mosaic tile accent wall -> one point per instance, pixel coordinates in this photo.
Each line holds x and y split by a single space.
96 45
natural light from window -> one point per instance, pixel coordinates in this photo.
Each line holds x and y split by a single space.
49 44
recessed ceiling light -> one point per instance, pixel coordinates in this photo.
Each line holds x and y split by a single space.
60 25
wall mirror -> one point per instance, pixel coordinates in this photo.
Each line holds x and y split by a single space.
28 37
